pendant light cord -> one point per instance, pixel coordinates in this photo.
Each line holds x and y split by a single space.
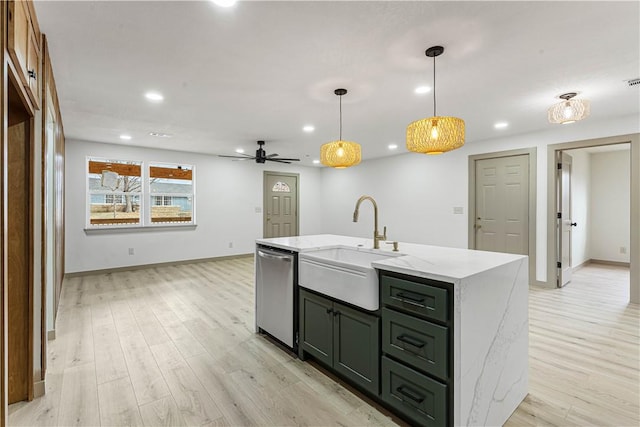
340 118
434 86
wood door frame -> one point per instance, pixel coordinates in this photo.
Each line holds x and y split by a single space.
265 202
552 240
4 392
30 133
532 157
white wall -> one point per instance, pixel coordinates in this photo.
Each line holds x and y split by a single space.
417 193
415 196
580 199
227 196
610 206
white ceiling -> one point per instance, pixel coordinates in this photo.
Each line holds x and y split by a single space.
262 70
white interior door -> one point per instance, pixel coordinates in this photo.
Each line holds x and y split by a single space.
502 204
280 205
564 223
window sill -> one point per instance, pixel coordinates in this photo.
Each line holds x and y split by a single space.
139 228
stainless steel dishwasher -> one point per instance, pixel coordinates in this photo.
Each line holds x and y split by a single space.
276 304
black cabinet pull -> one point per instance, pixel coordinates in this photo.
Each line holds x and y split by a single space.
411 394
336 313
410 297
32 73
329 310
410 340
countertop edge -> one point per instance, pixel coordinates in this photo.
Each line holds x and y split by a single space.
428 265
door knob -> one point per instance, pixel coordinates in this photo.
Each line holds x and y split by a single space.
573 224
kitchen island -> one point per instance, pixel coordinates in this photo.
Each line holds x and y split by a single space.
450 326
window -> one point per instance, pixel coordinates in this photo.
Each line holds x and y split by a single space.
171 192
122 192
114 192
113 198
162 200
281 187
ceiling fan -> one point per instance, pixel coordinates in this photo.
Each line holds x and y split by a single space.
261 156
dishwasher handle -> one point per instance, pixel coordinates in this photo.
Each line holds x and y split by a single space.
267 255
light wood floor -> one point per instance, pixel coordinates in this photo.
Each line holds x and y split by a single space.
174 346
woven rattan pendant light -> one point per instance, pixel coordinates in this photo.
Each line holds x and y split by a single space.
340 154
437 134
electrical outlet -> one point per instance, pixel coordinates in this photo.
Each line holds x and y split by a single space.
258 209
623 250
458 210
131 251
230 245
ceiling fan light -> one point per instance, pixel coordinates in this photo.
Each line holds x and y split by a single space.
569 110
435 135
340 154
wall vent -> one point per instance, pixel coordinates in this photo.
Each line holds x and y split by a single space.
633 82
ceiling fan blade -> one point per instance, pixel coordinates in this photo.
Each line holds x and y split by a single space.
278 160
272 155
284 158
246 156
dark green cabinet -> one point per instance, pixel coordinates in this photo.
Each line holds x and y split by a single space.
416 342
417 348
316 327
416 396
341 337
415 298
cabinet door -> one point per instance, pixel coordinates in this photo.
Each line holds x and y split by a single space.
356 346
24 49
316 326
19 37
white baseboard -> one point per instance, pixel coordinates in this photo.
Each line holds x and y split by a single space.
38 389
160 264
616 263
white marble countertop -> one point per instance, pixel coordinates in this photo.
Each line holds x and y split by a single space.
435 262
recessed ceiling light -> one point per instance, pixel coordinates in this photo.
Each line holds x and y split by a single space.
224 3
316 162
308 128
392 146
420 90
160 134
154 96
501 125
240 150
125 137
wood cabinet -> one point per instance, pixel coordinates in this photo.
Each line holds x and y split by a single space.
417 347
341 337
23 44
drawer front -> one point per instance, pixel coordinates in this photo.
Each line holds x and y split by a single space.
419 343
414 395
417 298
